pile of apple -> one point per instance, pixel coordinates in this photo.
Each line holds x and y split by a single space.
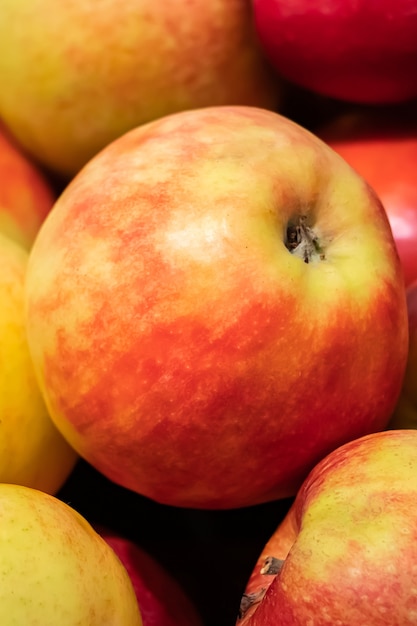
208 285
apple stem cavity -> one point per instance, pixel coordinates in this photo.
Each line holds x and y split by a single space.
302 241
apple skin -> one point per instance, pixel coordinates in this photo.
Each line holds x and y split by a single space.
32 451
26 195
161 599
77 78
382 147
405 414
348 545
180 347
56 569
361 51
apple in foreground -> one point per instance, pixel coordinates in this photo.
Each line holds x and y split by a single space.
346 552
213 304
161 599
382 147
32 451
405 414
79 74
55 568
26 195
354 50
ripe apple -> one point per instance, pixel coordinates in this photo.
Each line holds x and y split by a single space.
213 304
346 552
55 568
354 50
26 196
79 74
32 451
161 599
382 147
405 414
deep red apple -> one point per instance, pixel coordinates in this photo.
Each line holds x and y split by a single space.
382 147
161 599
356 50
405 414
346 551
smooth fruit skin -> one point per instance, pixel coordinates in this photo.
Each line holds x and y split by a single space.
354 50
382 147
161 599
179 345
79 74
26 195
55 569
349 542
32 451
405 414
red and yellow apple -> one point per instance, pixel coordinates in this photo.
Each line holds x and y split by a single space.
405 414
354 50
56 569
213 304
26 195
161 599
346 552
382 147
32 451
77 75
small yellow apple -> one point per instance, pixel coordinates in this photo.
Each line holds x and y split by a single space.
55 569
32 452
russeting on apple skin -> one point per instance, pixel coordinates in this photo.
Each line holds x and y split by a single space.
213 304
355 50
346 552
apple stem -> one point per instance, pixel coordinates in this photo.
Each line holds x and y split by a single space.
302 241
248 600
272 565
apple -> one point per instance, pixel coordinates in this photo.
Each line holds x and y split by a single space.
405 414
353 50
26 195
32 451
78 75
55 568
346 552
382 147
161 599
214 303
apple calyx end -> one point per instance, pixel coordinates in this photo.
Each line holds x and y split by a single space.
302 241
